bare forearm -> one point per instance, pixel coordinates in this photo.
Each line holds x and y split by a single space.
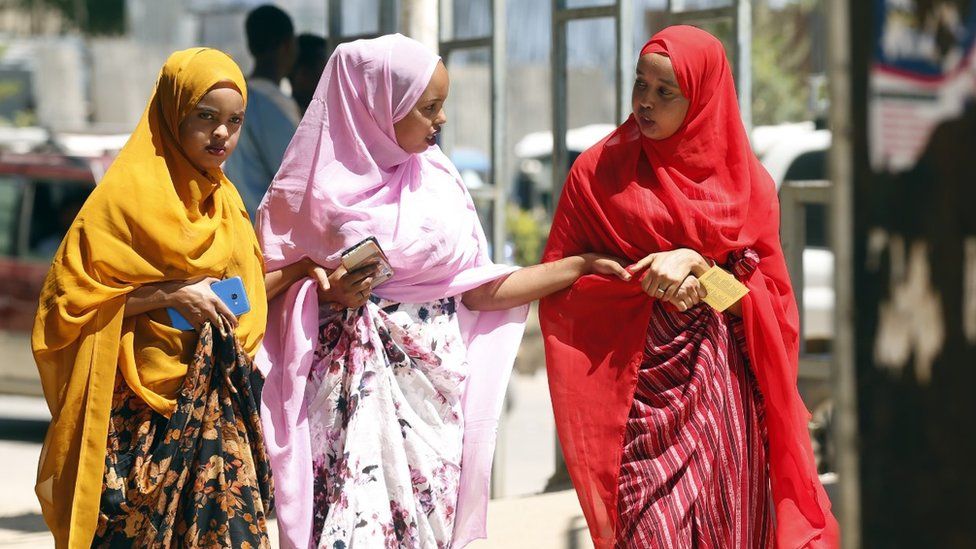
149 298
525 285
278 281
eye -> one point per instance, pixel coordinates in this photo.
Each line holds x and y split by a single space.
666 92
236 120
431 108
206 115
640 84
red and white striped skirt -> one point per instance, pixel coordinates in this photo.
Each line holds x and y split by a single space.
694 471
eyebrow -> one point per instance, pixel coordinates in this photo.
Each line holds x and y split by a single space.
665 81
215 110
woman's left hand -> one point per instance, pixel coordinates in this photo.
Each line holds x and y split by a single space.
666 271
606 265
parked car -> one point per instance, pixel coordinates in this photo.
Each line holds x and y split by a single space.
533 153
802 156
40 194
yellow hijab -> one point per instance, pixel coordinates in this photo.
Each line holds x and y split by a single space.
154 217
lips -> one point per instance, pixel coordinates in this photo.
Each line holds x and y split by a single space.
216 150
432 138
645 121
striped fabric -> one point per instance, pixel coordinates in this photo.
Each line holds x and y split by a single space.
694 468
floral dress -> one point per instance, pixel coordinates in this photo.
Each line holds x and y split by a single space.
200 478
384 411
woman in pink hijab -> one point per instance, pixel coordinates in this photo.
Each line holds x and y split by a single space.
381 404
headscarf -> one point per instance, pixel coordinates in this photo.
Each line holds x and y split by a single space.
629 196
154 217
345 178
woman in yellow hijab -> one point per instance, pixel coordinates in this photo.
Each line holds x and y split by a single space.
155 439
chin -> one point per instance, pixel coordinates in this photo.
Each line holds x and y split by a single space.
206 164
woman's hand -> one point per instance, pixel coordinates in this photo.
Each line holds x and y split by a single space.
690 293
198 303
349 289
606 265
667 271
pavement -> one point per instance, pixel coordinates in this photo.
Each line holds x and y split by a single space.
538 522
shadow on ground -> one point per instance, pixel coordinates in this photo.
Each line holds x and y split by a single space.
27 522
23 430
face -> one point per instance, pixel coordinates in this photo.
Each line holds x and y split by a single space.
305 79
418 130
209 133
659 106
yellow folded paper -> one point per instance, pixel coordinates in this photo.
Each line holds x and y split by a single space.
724 290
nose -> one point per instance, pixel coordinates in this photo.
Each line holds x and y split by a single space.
221 131
646 101
441 118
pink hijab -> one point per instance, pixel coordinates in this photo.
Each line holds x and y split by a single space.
344 178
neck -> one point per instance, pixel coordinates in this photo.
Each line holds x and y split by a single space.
266 69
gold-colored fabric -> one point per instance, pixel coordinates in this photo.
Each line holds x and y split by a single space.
153 218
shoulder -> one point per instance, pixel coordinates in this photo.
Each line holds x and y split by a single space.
265 96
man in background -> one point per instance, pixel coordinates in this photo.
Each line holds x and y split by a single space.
271 116
312 56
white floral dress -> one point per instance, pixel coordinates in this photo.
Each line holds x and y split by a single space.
384 411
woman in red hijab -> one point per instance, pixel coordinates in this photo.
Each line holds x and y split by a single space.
681 426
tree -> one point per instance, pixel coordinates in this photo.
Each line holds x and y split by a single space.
91 17
784 54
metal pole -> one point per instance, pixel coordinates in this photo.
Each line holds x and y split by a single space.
498 110
335 24
743 59
841 170
625 58
388 16
560 157
445 34
419 20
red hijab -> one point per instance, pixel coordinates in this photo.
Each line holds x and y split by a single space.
631 196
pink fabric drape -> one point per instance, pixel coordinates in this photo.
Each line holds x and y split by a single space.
344 178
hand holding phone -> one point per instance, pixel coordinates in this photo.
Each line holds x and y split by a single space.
363 266
231 293
365 252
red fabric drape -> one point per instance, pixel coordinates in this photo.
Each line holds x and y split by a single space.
630 196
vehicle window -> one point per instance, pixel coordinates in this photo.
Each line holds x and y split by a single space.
816 221
11 192
808 166
55 205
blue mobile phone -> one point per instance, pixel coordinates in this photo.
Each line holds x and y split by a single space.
230 291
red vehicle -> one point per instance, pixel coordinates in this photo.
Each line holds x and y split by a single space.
40 194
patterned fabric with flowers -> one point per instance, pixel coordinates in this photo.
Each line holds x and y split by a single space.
200 478
384 407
